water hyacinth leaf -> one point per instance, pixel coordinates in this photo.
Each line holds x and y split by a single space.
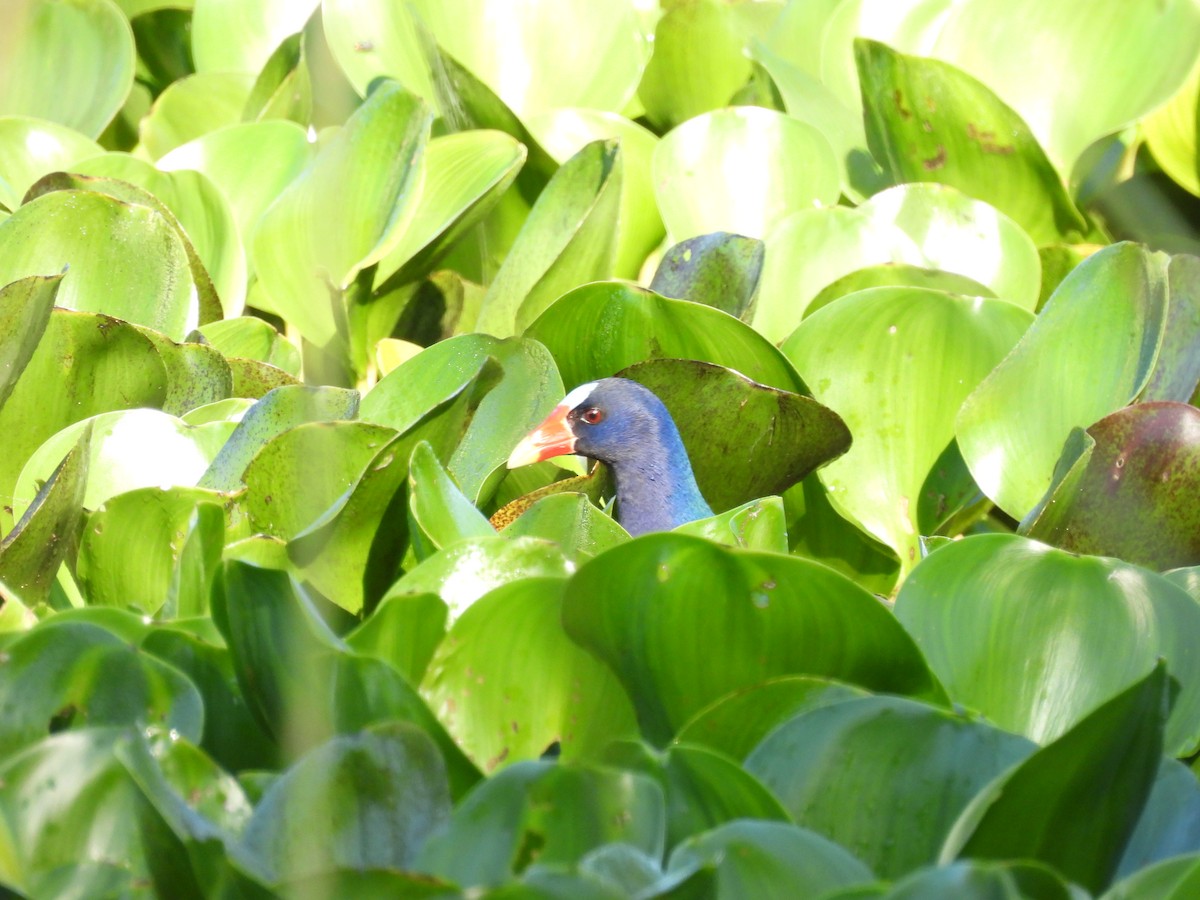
97 364
568 239
538 66
751 858
522 385
153 550
928 121
93 810
1128 493
977 879
301 472
721 270
282 148
465 175
197 375
630 607
823 762
599 329
897 275
200 211
129 449
439 511
71 63
192 107
365 800
125 260
735 724
25 308
1173 879
233 36
507 682
892 333
1158 39
957 233
343 212
810 250
249 337
404 630
76 675
715 408
697 64
469 569
48 532
1080 797
232 736
1001 618
280 410
755 525
564 132
254 380
31 148
572 521
1096 340
1176 372
564 810
283 89
1172 134
1170 822
742 170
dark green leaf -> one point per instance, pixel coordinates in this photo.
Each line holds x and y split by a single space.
719 270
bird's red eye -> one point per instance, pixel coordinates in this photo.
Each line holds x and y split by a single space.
592 415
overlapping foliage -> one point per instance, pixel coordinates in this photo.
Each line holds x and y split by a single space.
283 283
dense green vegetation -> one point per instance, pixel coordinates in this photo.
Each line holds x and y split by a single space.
282 284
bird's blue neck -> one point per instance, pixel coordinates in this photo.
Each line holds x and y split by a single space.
657 491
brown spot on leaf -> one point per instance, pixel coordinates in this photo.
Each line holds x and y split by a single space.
898 99
937 161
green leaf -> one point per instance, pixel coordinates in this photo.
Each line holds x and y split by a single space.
697 64
197 375
755 525
736 723
1169 824
634 608
191 108
742 170
971 879
249 337
124 260
440 512
343 213
1176 374
599 329
564 132
153 550
96 364
897 275
24 314
507 682
48 531
568 239
1078 798
1035 638
282 409
538 65
72 675
721 270
867 356
928 121
1130 492
71 63
85 805
859 772
31 148
465 175
572 521
1172 133
757 859
1095 341
283 89
554 813
716 410
404 630
241 35
365 800
463 572
1156 39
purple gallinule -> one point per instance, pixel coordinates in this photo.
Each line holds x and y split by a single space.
626 427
